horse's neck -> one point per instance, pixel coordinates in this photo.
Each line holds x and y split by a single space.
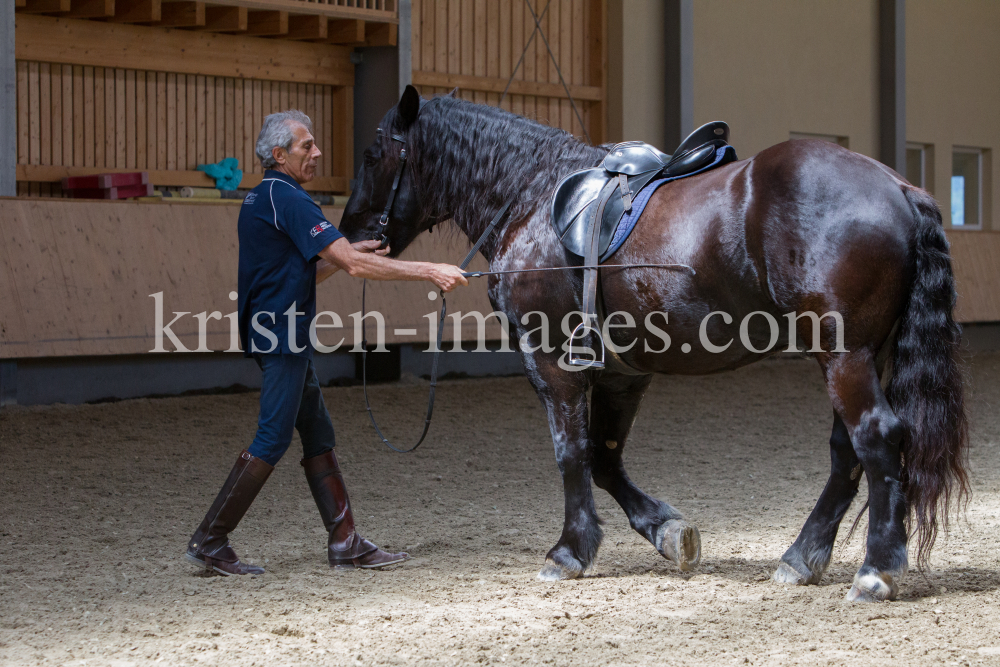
459 192
474 203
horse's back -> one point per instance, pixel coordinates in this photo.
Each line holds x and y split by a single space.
801 226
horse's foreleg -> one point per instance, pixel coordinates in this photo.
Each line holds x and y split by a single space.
614 404
565 401
807 559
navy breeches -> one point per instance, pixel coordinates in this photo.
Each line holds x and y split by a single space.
290 397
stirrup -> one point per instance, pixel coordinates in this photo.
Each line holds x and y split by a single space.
585 362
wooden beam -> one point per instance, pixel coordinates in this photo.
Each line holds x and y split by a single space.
307 27
33 173
225 19
136 11
267 24
91 9
20 3
496 85
45 6
10 101
345 31
182 15
76 42
331 11
381 34
596 56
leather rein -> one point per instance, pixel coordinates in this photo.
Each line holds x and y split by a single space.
383 238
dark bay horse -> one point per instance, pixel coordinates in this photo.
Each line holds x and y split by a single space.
802 227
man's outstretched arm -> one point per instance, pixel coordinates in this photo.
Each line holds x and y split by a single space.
376 267
325 268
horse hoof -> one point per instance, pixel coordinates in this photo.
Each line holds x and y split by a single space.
680 542
556 572
872 587
786 574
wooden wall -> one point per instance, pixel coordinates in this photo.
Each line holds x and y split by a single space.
475 45
84 116
177 99
75 278
975 258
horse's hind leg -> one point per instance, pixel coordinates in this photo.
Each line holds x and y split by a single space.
806 560
875 433
614 403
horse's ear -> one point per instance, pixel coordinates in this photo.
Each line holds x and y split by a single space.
454 92
409 106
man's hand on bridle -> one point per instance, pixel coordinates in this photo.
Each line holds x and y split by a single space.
370 245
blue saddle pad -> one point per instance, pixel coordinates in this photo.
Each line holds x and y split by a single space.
723 155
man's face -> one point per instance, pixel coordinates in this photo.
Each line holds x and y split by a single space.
300 161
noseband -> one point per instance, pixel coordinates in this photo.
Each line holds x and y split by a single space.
380 234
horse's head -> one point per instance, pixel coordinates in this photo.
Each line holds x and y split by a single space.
366 215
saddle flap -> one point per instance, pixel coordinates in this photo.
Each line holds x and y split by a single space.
633 158
572 205
575 202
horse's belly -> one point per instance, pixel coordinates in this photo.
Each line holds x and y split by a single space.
686 336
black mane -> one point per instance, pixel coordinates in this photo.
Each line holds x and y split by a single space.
476 157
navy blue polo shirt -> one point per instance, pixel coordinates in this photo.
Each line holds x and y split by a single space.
281 232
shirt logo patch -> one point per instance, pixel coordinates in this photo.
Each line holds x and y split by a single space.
249 199
315 231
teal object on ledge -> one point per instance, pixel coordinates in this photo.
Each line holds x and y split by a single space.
227 173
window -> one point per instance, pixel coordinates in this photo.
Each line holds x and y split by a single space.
920 165
966 187
832 138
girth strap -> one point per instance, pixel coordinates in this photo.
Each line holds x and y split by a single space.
590 277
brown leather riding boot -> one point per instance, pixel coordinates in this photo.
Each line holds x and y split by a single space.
345 547
209 546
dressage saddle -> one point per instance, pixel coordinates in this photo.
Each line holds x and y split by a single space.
588 206
630 166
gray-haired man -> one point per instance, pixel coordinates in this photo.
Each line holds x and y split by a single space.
286 248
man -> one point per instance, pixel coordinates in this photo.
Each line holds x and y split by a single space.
286 248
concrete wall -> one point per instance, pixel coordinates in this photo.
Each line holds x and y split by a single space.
636 71
953 88
775 67
76 278
770 69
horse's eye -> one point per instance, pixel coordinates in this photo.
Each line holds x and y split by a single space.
371 158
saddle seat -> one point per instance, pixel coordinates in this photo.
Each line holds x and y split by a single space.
633 164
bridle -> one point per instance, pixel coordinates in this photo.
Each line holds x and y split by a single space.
383 239
380 235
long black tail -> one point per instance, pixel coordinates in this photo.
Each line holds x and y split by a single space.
926 386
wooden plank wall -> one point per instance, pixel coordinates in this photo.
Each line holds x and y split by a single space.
476 44
82 116
975 257
382 5
75 278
